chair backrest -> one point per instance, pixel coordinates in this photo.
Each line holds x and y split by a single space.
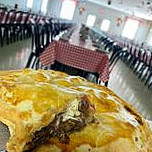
137 52
34 17
38 18
10 17
150 62
121 43
126 44
148 59
41 20
145 57
18 16
132 51
142 55
30 16
3 15
24 18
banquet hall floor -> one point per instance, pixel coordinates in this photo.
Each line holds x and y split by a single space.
122 81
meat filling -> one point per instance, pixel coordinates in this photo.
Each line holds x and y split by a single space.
74 119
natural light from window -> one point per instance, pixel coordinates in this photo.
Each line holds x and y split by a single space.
44 6
67 10
105 25
91 20
150 41
130 28
29 3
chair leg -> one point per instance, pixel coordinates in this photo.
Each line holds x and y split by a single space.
114 63
28 65
150 86
130 61
113 57
7 36
133 63
1 37
145 75
106 84
37 64
136 66
149 77
141 71
43 36
14 33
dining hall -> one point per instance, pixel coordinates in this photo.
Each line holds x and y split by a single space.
70 65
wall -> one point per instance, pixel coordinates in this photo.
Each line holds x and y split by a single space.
54 7
149 35
101 13
22 4
37 6
112 15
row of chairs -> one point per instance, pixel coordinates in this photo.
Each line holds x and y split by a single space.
136 58
16 25
42 35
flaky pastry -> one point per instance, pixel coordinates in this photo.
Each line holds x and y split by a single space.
50 111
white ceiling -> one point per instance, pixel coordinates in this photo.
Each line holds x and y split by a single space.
139 8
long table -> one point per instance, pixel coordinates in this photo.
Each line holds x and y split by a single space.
78 57
79 54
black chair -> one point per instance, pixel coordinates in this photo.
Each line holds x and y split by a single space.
148 65
115 55
148 75
3 19
42 37
8 31
16 26
23 31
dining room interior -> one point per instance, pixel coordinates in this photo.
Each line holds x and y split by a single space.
106 42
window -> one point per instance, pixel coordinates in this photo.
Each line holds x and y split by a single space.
130 28
90 20
67 9
150 37
150 41
44 6
29 3
105 25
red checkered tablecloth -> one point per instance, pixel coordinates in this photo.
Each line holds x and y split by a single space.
78 57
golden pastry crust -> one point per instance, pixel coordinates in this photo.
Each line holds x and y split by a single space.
29 101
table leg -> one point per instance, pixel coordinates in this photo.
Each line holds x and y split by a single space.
106 84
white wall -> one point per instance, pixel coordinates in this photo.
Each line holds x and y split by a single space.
91 8
22 4
37 6
112 15
149 35
54 7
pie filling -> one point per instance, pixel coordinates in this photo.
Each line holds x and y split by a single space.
78 115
